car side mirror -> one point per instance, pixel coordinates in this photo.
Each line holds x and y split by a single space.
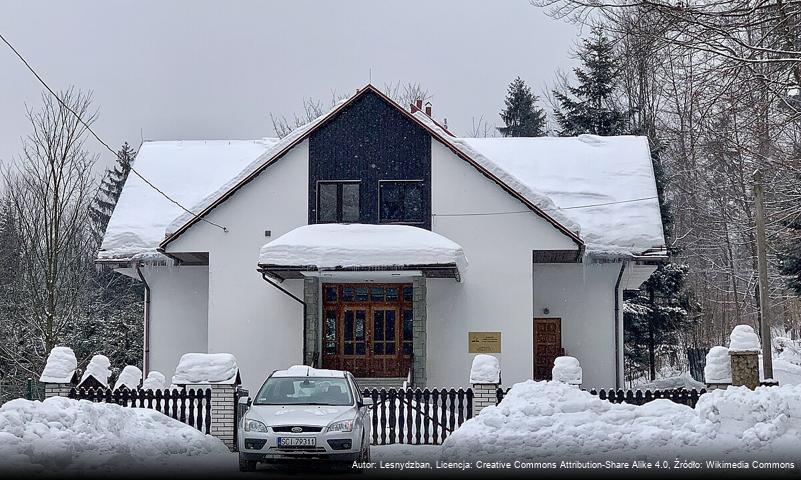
366 402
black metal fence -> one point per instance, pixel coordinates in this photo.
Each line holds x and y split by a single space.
190 406
637 397
417 417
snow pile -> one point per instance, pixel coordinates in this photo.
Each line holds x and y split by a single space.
64 435
485 369
129 378
743 339
99 368
187 171
154 381
566 370
60 367
552 420
788 350
202 368
718 365
605 185
683 380
356 245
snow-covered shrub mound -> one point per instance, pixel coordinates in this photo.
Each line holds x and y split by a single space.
129 378
718 365
744 339
485 369
60 367
99 368
154 381
199 368
61 434
566 370
538 420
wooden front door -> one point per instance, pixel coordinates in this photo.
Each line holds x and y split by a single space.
547 346
367 329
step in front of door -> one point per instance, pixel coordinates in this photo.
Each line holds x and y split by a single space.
380 382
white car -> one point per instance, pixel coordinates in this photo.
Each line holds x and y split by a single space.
306 413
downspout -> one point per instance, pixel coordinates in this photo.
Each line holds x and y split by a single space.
146 356
617 325
293 297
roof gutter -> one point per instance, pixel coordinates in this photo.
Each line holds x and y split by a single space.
146 342
617 325
294 297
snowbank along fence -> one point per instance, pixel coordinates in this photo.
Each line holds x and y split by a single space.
637 397
417 417
190 406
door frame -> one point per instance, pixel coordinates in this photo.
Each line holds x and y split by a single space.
558 321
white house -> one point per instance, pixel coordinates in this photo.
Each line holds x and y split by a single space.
372 239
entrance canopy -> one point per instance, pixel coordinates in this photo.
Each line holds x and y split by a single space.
358 247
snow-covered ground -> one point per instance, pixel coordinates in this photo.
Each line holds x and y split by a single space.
541 420
64 435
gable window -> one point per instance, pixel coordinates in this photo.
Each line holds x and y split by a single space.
337 202
401 201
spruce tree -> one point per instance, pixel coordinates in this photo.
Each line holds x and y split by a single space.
109 192
790 258
522 117
589 107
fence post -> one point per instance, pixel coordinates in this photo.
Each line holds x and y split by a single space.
223 412
57 389
744 369
484 395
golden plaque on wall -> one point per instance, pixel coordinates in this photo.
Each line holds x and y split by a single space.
484 342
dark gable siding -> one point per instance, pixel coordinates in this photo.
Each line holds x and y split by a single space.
370 141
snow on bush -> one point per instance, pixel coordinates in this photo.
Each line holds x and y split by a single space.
61 434
566 370
99 368
537 420
485 369
718 365
154 381
200 368
129 378
743 339
60 367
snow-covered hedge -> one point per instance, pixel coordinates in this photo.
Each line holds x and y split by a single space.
64 435
539 420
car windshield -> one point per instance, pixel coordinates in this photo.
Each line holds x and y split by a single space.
304 391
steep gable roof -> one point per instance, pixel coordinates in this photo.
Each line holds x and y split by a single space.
535 201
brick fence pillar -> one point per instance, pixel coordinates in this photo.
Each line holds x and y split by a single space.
744 369
223 412
57 389
484 395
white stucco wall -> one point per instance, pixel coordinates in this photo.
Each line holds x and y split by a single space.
178 313
496 291
248 317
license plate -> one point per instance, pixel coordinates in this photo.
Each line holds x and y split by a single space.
296 441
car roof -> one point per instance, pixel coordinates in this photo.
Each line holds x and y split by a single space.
306 371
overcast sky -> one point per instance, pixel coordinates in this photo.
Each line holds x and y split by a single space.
214 69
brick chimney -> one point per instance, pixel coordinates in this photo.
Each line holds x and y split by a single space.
428 108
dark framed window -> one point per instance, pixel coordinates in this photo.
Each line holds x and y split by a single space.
337 202
401 201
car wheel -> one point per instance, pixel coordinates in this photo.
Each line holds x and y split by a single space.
246 465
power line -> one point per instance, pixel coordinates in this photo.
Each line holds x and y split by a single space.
106 145
529 211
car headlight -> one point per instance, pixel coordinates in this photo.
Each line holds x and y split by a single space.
341 426
255 426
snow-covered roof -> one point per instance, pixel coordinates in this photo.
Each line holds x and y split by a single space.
333 245
206 368
60 367
604 185
187 171
306 371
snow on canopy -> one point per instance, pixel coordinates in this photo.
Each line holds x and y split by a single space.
306 371
99 368
130 376
485 369
203 368
187 171
615 174
60 367
334 245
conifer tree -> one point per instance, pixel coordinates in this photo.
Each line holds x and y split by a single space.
109 192
790 258
522 117
589 107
